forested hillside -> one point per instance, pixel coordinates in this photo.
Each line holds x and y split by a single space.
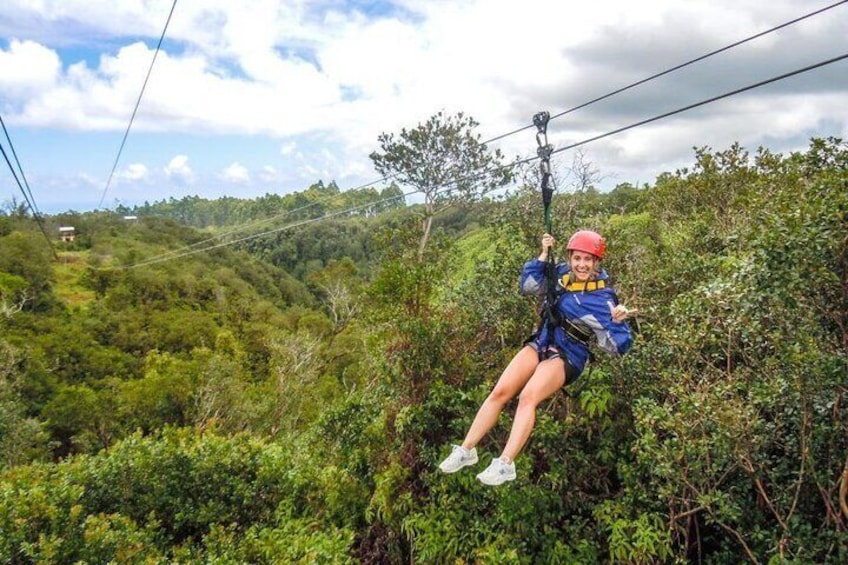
316 201
286 399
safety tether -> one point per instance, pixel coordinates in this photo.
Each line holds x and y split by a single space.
550 316
544 151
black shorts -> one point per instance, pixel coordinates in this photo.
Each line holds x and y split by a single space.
552 352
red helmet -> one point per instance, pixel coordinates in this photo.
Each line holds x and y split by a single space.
588 242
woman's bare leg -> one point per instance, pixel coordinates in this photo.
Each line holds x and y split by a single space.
548 378
510 383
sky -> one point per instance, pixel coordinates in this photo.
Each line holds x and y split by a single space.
270 96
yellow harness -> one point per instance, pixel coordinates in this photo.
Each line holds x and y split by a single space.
569 284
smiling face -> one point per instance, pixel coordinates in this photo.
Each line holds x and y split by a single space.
583 265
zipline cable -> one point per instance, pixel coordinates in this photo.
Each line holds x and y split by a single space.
783 76
31 199
225 233
698 59
31 204
675 68
282 228
270 219
704 102
137 103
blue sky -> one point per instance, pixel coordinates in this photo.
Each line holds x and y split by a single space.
248 98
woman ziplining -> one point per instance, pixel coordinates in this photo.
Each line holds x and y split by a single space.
580 305
585 308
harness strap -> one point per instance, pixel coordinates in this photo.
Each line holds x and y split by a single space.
550 316
576 332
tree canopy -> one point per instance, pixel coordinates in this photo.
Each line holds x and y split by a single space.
289 401
444 160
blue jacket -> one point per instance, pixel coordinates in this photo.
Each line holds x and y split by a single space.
588 306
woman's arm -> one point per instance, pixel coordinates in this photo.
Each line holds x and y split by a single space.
612 332
533 279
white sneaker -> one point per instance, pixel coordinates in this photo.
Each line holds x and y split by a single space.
497 473
459 458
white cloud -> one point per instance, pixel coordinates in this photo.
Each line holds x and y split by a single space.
89 180
288 148
236 173
269 174
26 68
179 171
134 172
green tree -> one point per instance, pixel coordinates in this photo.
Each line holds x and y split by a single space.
22 438
13 294
339 289
82 419
26 255
443 160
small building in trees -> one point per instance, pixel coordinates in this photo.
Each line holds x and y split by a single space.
67 233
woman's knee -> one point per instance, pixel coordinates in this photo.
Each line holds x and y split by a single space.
541 386
529 400
501 394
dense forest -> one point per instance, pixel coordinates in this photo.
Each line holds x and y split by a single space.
285 398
